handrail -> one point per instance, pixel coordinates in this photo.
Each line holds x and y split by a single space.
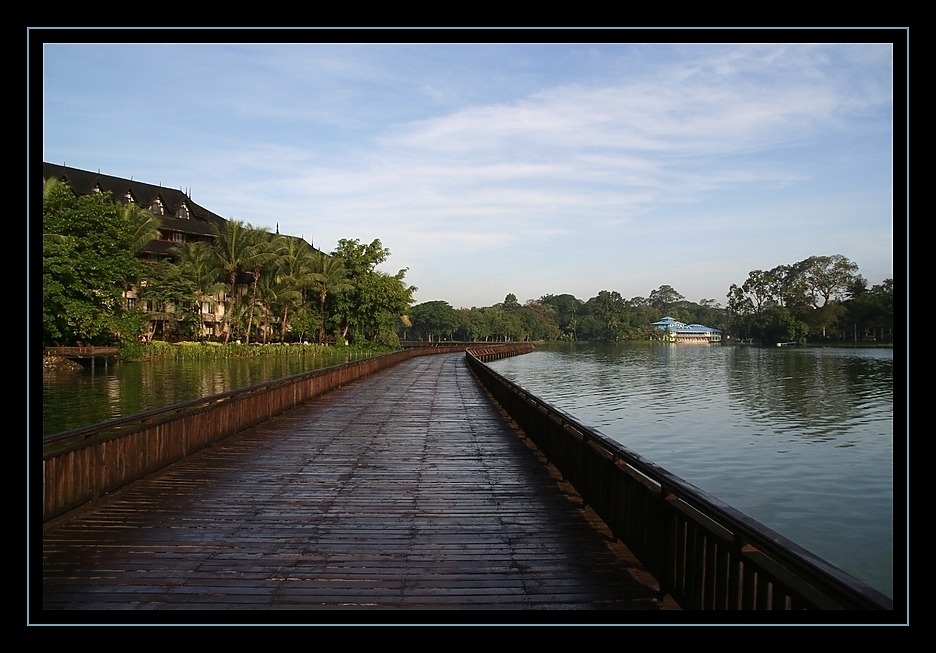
119 425
82 351
706 554
83 464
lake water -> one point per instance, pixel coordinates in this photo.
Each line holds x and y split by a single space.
800 439
74 399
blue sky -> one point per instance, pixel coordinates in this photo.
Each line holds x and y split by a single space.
489 169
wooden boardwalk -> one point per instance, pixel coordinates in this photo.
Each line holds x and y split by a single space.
406 490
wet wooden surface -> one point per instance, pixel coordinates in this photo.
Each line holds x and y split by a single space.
405 490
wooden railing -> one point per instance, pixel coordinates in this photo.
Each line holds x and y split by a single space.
85 463
487 353
705 554
82 351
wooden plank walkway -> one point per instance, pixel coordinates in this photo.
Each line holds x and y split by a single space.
405 490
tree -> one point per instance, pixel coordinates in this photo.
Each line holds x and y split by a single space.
504 325
511 303
384 299
858 287
761 289
568 308
663 297
777 324
144 225
358 259
473 325
540 321
812 293
405 323
328 276
170 291
872 311
241 250
828 277
607 313
370 308
820 284
786 286
261 259
434 317
304 321
88 262
199 263
295 278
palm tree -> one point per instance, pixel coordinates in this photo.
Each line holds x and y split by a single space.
51 185
260 260
200 264
330 277
240 248
294 276
276 294
144 225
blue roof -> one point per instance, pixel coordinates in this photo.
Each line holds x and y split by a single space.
671 324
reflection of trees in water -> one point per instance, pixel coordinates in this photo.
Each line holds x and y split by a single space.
813 394
89 397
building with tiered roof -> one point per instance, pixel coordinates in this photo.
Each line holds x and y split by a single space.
676 331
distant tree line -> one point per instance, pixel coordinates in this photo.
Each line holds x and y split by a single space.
279 288
820 299
605 317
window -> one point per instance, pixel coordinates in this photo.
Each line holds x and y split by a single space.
157 208
183 212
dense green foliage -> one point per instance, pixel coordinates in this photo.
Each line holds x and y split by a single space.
369 306
264 287
88 256
605 317
822 298
205 350
276 288
436 318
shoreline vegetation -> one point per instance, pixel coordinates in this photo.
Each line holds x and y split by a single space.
104 284
160 350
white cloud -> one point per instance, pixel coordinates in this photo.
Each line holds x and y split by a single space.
592 161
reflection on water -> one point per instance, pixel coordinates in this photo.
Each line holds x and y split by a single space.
799 439
817 394
75 399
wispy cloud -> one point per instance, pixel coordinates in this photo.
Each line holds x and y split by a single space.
591 156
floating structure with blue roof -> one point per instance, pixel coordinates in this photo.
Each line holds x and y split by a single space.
676 331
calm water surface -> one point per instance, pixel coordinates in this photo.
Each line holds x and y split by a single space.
74 399
802 440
